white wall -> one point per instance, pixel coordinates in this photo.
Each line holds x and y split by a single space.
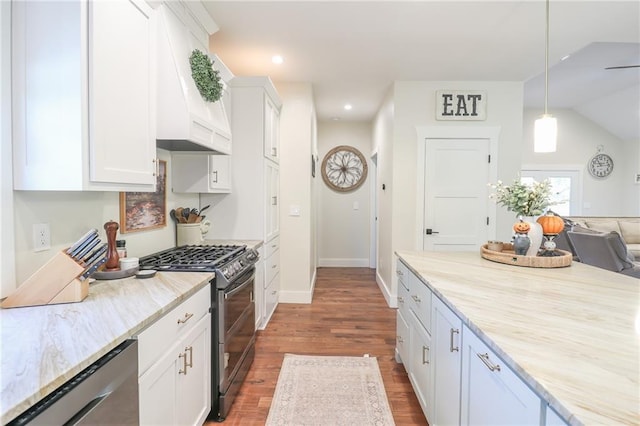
71 214
414 105
297 125
383 145
343 218
578 140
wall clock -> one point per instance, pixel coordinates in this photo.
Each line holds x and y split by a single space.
344 168
600 165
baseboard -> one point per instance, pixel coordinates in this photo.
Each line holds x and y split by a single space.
343 263
392 300
295 296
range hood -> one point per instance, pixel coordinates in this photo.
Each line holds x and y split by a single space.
185 121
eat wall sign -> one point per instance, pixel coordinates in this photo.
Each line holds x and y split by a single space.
461 105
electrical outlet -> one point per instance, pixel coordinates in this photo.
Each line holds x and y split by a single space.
41 237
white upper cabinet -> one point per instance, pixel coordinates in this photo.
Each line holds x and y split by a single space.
271 130
200 173
185 120
84 95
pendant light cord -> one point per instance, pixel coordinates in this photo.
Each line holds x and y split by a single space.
546 62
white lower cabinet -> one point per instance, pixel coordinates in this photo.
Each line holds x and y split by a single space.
175 366
271 281
447 354
492 394
457 379
258 288
420 371
402 339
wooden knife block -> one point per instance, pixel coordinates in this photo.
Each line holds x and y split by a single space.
55 282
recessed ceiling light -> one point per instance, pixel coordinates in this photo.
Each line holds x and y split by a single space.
348 107
277 59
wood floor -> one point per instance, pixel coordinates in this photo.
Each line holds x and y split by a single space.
348 316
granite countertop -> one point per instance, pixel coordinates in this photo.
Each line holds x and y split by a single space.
573 334
44 346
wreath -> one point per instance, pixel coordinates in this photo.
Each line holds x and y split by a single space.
206 78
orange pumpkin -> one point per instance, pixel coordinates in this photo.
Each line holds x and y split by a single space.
521 227
551 224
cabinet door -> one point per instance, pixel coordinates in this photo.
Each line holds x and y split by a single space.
193 383
402 340
420 371
220 173
271 130
121 84
447 329
157 391
273 200
492 394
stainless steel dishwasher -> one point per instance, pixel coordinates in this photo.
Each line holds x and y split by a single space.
105 393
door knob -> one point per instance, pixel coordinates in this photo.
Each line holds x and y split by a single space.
431 231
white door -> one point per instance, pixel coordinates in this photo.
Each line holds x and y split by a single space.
456 201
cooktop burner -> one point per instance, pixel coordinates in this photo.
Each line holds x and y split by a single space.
192 258
229 262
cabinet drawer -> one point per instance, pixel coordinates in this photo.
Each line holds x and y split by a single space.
420 301
404 299
162 334
272 246
492 393
272 267
403 275
272 293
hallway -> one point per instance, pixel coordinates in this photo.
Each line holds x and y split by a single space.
349 317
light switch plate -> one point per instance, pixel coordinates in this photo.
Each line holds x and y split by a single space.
294 210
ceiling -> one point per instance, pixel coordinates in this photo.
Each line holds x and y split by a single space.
352 51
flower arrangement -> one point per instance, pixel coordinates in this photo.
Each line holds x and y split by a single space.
523 199
206 78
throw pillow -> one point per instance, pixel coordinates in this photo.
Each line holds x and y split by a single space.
604 226
631 231
585 230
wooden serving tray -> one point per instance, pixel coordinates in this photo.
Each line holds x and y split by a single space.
509 257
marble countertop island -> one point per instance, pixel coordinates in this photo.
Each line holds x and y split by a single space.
573 334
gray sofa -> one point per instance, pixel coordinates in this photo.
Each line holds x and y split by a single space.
627 227
605 250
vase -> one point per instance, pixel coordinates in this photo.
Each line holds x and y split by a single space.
535 235
521 244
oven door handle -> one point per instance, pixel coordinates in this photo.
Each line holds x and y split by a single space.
251 274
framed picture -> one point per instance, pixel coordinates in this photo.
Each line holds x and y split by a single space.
141 211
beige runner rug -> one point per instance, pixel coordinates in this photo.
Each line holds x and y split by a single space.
329 390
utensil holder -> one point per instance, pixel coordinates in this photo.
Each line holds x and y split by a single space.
55 282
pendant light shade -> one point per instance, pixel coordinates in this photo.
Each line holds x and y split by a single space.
546 127
545 134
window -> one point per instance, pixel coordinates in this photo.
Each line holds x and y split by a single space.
565 188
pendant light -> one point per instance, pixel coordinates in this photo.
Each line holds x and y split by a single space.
546 127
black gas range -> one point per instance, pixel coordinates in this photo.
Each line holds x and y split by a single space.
232 311
227 261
